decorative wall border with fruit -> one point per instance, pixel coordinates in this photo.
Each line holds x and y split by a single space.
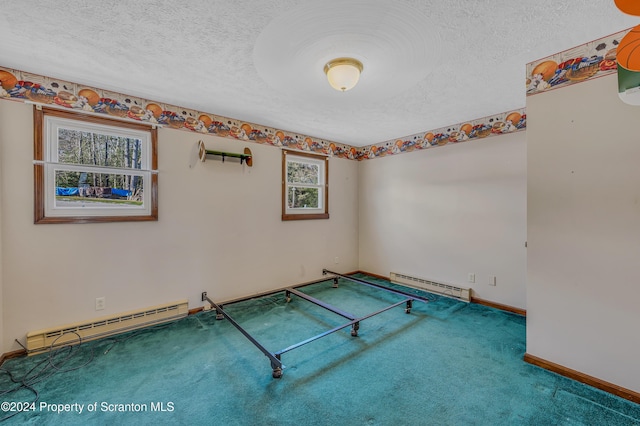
498 124
23 86
590 60
20 85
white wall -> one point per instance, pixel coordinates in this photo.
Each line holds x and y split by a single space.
448 211
219 230
584 231
3 136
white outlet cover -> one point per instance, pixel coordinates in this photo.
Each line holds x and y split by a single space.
101 303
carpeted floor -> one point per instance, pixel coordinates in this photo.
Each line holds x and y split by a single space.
447 363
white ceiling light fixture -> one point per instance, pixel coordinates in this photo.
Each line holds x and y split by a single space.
343 73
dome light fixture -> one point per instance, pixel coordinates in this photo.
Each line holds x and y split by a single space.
343 73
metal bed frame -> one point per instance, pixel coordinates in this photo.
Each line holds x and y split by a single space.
353 320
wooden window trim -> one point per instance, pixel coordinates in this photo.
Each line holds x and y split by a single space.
304 216
39 146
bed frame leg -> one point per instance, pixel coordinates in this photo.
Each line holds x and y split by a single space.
287 296
354 329
219 315
277 373
335 282
277 369
409 306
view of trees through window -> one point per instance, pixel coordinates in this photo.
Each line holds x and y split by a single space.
93 169
299 175
99 151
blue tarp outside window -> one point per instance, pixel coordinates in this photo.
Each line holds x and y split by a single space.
74 191
66 191
120 192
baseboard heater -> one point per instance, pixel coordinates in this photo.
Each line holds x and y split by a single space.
431 286
70 334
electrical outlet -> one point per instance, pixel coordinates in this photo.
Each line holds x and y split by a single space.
101 303
336 260
492 280
472 278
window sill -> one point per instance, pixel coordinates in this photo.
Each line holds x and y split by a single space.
305 216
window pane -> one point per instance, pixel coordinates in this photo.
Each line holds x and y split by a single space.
304 190
78 147
298 172
303 198
90 170
75 189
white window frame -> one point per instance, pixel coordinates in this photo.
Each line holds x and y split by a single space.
46 210
300 213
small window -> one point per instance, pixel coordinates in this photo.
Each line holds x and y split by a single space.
93 169
305 188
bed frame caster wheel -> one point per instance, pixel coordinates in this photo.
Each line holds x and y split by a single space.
277 373
354 329
288 299
407 311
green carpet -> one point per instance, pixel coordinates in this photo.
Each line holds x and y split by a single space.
446 363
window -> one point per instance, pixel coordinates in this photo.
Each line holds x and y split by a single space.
305 188
93 169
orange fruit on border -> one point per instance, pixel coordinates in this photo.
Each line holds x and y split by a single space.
630 7
546 68
7 80
466 128
155 109
514 117
206 120
247 128
92 96
628 51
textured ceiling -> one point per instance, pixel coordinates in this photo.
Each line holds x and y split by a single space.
427 63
